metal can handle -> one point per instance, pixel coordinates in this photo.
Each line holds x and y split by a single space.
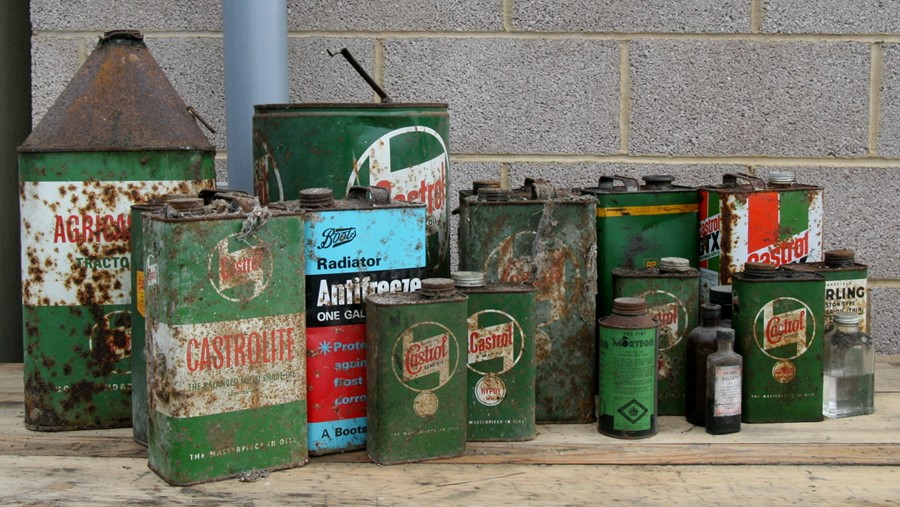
631 184
731 179
378 195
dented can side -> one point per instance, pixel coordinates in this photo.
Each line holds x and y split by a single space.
416 372
551 243
778 325
226 345
673 299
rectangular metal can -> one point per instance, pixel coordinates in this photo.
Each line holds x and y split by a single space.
755 221
846 287
778 323
500 362
357 246
545 236
416 373
637 225
225 344
673 299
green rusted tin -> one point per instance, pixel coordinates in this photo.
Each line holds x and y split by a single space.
845 284
672 294
118 135
500 358
639 224
778 318
416 372
546 236
226 344
627 365
402 147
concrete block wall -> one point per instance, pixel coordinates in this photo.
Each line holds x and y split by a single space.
575 89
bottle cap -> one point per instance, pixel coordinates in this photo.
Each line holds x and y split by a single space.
438 287
846 318
674 264
840 258
724 334
316 197
710 311
782 178
629 306
468 279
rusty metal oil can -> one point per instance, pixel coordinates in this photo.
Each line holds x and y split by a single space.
500 358
627 364
747 219
225 343
778 323
357 246
416 373
119 134
672 295
639 224
546 236
845 284
402 147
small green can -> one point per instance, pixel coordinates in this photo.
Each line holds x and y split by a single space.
672 294
500 358
225 343
845 284
416 406
778 318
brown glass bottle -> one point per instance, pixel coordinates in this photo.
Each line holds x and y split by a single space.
724 369
701 342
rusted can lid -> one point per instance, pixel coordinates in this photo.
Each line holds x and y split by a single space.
846 318
438 287
479 184
316 197
493 194
468 278
674 265
760 270
629 306
658 181
840 258
710 311
720 295
782 178
724 334
185 204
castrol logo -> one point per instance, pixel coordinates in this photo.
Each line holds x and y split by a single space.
671 313
496 342
239 270
784 328
425 356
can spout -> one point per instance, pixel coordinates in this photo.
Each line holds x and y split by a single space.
362 72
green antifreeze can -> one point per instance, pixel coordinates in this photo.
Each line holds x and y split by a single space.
639 224
226 344
845 284
416 372
672 295
545 236
500 358
778 323
118 135
403 147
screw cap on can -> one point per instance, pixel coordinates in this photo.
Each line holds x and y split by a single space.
760 270
724 334
674 264
438 287
710 311
479 184
468 278
846 318
840 258
658 181
629 306
316 197
782 178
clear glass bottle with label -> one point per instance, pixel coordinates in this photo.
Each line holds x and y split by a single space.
723 386
849 369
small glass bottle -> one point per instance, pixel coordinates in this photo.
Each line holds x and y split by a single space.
701 342
849 369
723 386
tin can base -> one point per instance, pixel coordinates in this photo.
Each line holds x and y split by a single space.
49 429
342 450
226 477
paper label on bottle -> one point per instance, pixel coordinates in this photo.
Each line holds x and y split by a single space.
727 391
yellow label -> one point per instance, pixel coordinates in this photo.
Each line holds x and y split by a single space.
141 300
664 209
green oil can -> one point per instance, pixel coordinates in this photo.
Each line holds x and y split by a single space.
545 236
118 135
845 284
672 295
500 358
778 323
639 224
416 372
225 343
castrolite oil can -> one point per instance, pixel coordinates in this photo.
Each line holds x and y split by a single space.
639 224
118 135
628 371
845 284
226 343
672 295
416 373
357 246
401 147
778 321
500 358
546 236
746 219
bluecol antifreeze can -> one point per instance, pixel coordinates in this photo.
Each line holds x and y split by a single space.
357 246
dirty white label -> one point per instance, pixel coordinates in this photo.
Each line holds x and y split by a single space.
728 391
846 296
212 368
